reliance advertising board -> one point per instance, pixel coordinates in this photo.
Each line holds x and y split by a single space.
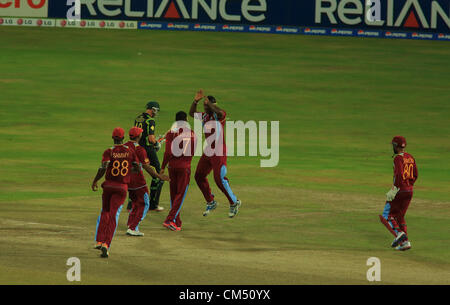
412 15
404 19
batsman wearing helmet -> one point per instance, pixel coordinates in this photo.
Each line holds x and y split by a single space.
399 196
148 141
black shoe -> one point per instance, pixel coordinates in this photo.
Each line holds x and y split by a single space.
105 251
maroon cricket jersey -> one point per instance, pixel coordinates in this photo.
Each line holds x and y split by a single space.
405 171
180 148
214 130
121 159
137 180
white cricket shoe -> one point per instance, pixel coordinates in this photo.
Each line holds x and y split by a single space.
234 209
158 209
134 233
404 246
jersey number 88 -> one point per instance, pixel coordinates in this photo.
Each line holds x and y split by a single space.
119 168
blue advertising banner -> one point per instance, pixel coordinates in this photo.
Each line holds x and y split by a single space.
176 26
429 16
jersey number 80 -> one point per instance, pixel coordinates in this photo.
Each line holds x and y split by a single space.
408 171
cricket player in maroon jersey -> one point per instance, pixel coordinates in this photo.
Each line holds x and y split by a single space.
180 148
213 120
400 195
137 188
117 163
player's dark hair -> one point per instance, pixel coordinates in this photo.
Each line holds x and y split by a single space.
212 99
181 116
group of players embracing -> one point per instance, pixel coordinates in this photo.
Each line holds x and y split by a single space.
123 166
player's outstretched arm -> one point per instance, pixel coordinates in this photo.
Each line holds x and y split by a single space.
198 97
100 173
151 171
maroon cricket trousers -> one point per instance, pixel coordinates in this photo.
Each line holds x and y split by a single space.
113 197
179 184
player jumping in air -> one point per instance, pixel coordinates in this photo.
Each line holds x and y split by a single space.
399 197
117 163
214 156
180 148
137 189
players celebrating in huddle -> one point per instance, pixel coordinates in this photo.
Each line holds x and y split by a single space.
123 165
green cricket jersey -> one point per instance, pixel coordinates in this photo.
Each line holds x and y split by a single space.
147 123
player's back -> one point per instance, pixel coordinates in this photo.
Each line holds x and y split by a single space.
182 143
214 130
121 159
137 180
147 123
405 171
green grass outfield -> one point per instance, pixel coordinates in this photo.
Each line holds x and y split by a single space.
311 220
